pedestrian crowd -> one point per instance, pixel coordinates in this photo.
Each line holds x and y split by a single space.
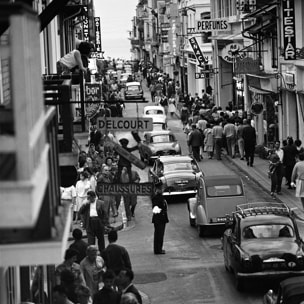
88 276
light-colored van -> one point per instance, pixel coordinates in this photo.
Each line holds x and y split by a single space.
216 199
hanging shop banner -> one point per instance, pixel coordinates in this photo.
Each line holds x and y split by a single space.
92 93
125 124
85 25
197 52
97 34
289 32
144 189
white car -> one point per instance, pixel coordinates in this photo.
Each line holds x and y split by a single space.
157 113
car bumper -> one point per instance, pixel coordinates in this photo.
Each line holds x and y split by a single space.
188 192
270 274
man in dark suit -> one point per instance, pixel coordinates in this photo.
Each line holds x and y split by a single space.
116 256
195 141
125 284
94 217
249 136
159 218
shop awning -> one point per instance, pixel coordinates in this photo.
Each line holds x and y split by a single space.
259 91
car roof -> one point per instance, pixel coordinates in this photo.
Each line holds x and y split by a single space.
262 219
133 83
222 180
174 158
159 132
293 286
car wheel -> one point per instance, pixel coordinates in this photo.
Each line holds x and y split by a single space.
239 282
200 230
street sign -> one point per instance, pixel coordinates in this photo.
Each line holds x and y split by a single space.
125 123
144 189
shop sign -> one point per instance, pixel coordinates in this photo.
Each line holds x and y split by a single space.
197 52
199 75
210 25
125 124
97 34
165 25
143 189
164 39
92 99
289 32
85 25
247 65
232 51
289 78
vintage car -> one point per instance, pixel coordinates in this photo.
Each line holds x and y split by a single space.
134 91
178 174
216 199
157 113
263 241
160 143
291 291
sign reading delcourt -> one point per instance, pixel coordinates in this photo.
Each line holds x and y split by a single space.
125 124
144 189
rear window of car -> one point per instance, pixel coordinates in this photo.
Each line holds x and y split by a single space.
224 190
133 88
177 167
161 138
268 231
154 112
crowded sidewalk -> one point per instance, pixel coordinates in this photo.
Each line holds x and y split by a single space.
258 173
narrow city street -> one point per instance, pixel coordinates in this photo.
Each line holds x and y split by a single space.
192 270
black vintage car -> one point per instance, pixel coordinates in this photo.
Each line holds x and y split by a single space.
263 242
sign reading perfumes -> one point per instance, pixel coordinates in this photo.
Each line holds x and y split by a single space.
289 32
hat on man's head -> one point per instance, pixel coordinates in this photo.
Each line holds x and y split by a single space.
124 141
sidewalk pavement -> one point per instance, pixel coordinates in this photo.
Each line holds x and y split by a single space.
258 173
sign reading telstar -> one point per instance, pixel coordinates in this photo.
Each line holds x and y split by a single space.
289 32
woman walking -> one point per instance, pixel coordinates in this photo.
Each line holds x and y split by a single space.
172 106
82 188
297 178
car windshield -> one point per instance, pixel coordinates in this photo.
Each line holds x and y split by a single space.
154 112
268 231
224 190
133 88
162 138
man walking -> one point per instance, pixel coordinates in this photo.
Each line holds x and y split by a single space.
240 139
217 132
249 136
230 134
116 256
94 218
195 141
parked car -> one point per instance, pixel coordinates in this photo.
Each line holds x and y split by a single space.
178 174
291 291
216 199
160 143
157 113
133 90
123 79
263 242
